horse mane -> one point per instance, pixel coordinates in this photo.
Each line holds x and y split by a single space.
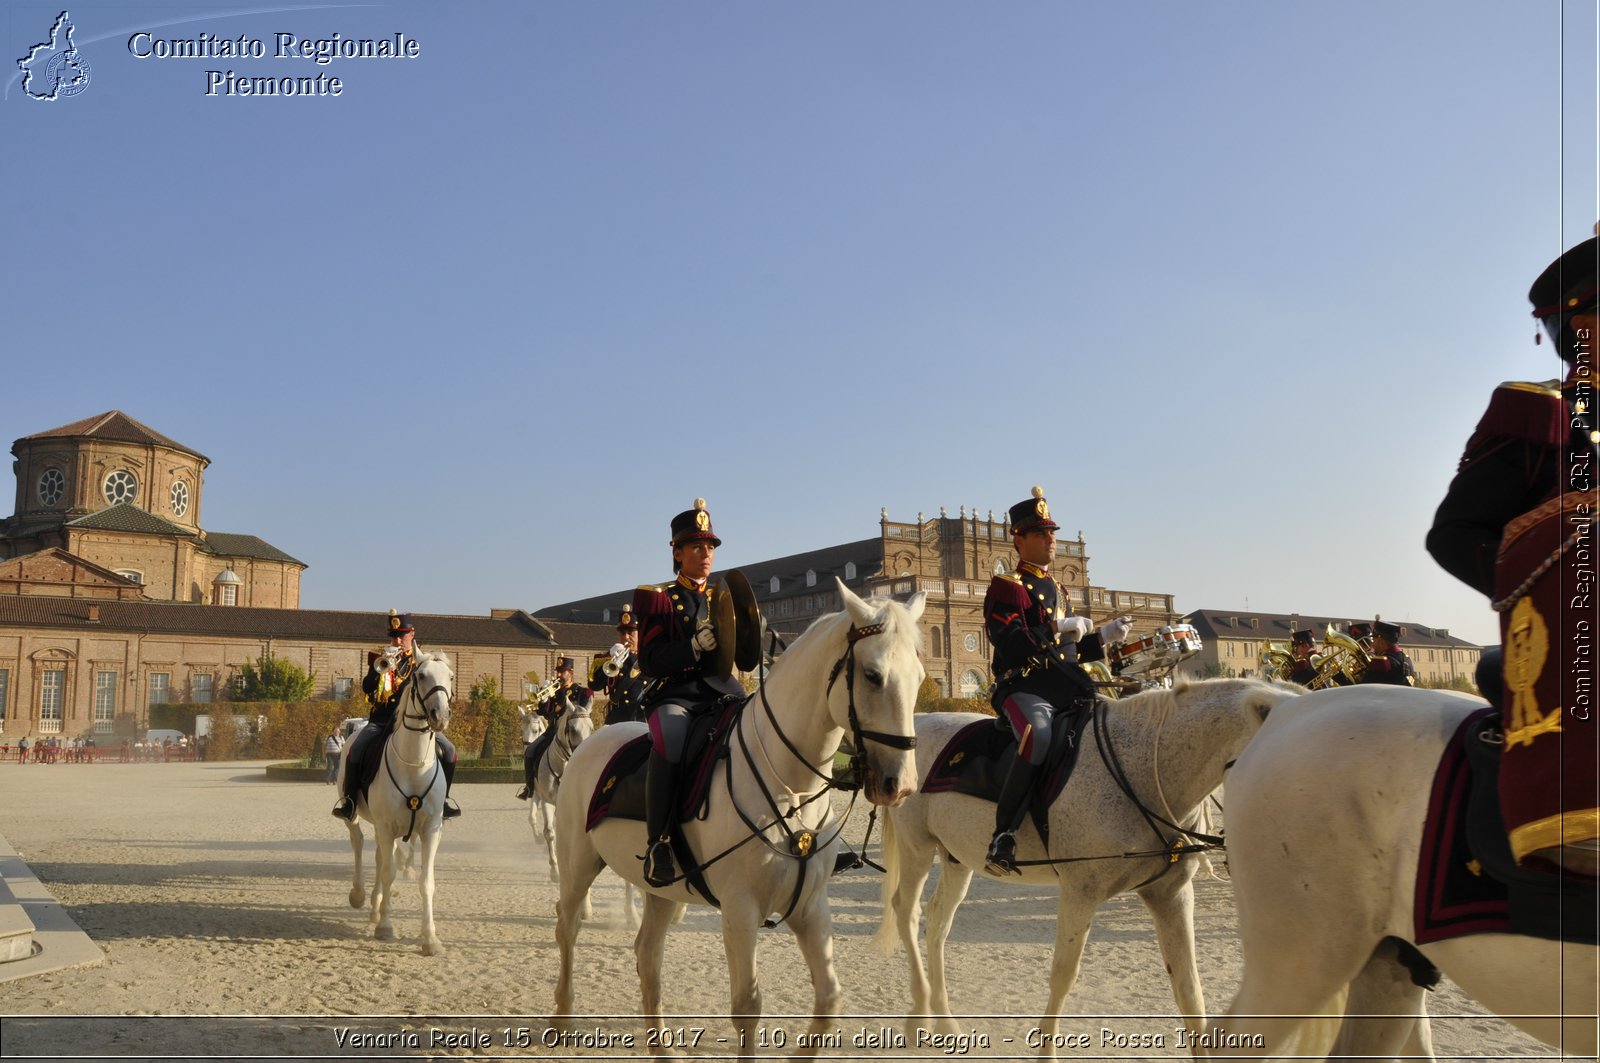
893 615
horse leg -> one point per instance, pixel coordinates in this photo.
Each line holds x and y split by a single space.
954 879
383 889
648 947
813 931
739 923
547 827
1172 909
583 864
1385 1013
429 844
1074 912
358 893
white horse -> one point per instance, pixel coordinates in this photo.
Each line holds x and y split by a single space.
856 671
410 769
572 728
1169 746
1325 820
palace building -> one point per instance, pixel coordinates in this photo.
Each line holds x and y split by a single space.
113 597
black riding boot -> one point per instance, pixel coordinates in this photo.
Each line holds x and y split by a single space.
346 808
660 783
447 758
1008 813
530 763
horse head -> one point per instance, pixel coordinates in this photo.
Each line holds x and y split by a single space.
576 725
434 683
874 698
533 725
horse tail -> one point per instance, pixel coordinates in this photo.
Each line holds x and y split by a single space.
887 937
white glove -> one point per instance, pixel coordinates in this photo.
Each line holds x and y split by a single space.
704 639
1072 628
1115 631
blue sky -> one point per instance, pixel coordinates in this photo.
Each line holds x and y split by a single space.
1232 280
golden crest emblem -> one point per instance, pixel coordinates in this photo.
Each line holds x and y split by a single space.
606 789
1042 508
803 842
1527 648
702 519
394 621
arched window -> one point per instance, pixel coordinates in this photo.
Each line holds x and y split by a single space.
936 642
774 585
811 577
971 683
849 570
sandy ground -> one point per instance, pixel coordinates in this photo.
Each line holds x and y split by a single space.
218 898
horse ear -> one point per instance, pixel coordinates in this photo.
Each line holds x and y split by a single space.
860 614
916 604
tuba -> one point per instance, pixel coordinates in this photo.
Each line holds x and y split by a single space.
1276 662
1342 665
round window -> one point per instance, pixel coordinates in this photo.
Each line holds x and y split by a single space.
121 486
179 496
52 485
970 642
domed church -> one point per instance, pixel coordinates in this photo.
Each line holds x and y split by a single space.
109 508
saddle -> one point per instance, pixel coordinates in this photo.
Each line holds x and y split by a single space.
977 758
619 792
1467 880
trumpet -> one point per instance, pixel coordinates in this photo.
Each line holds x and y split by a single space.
619 657
547 691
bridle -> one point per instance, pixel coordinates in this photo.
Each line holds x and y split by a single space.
427 717
801 844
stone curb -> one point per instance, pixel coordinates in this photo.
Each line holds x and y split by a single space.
57 940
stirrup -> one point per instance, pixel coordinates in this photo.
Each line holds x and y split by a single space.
1002 857
658 869
847 861
524 793
345 809
451 809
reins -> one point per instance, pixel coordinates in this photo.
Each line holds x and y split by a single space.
801 843
414 801
1172 852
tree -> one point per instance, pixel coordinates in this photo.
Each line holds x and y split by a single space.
270 679
500 728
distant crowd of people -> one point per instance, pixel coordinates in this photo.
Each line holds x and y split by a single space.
56 750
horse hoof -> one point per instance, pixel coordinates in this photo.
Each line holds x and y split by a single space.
357 898
432 948
383 933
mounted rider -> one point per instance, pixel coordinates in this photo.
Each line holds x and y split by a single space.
387 675
1389 663
676 638
565 696
1039 684
1517 524
1302 644
619 675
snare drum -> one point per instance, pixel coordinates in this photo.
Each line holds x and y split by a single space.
1138 655
1181 640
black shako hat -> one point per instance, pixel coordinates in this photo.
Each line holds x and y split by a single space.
693 524
1566 287
565 663
1031 514
1388 631
1304 638
400 624
627 623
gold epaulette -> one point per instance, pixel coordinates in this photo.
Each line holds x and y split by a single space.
1542 387
656 587
1012 576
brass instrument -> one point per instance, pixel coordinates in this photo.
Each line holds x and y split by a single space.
1347 659
548 691
619 656
1276 662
